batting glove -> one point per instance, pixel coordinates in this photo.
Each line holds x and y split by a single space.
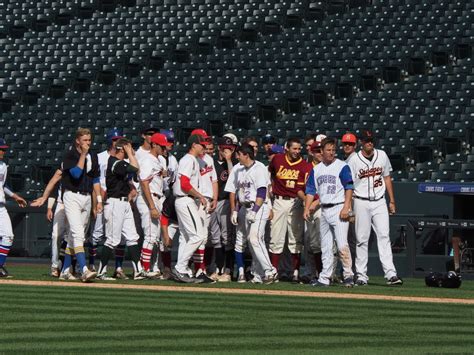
233 218
251 216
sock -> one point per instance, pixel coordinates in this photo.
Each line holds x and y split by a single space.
166 256
67 263
73 263
4 250
119 256
318 262
62 249
92 254
208 253
81 259
275 259
198 258
104 260
296 261
146 258
239 260
229 260
135 256
220 259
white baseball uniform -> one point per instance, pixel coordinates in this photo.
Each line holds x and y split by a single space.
189 212
172 166
60 229
6 231
208 177
98 232
244 182
330 182
371 210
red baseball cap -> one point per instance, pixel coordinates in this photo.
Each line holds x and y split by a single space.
317 142
200 132
160 139
349 138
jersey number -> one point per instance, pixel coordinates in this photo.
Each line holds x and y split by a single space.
378 182
331 189
290 184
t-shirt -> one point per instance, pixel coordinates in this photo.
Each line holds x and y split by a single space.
117 178
288 177
208 175
188 166
222 172
245 181
89 174
151 169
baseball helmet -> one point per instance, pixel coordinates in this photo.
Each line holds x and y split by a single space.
3 144
317 142
160 139
349 138
225 142
114 133
433 279
451 280
169 134
202 133
268 139
233 137
196 139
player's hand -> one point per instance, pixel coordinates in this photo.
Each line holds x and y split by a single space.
85 146
154 213
20 200
49 214
234 218
344 214
212 206
38 202
128 149
132 194
270 215
99 208
307 214
227 153
251 216
203 201
167 241
392 208
313 206
164 173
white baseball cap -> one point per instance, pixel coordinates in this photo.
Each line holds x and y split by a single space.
233 137
320 137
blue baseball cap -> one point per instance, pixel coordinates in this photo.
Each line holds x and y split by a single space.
268 139
276 149
169 134
114 133
3 144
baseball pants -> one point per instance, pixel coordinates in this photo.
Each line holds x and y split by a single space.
59 232
254 234
312 242
287 220
374 214
98 232
78 210
220 228
119 223
6 232
150 226
192 230
333 228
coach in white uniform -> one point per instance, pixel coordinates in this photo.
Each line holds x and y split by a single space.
371 173
332 181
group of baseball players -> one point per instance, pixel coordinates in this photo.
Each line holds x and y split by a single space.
218 202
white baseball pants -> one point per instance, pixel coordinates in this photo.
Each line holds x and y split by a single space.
150 226
333 228
59 232
6 230
78 211
312 242
287 220
98 232
119 223
373 214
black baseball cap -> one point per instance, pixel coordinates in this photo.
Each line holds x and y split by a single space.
197 139
367 136
268 139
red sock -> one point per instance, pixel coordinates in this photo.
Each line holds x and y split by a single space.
198 258
166 257
208 253
318 262
146 258
275 259
296 261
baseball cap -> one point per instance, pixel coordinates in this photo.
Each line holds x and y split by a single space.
268 139
150 130
3 144
233 137
317 142
114 133
196 139
169 134
276 149
225 141
367 136
349 138
160 139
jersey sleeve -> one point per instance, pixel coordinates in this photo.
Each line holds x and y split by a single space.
346 178
230 185
387 169
311 184
120 167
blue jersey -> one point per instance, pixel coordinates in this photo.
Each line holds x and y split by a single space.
330 182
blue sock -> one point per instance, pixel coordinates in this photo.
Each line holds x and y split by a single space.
3 253
67 262
81 259
119 255
239 259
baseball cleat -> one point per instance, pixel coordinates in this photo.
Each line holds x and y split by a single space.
120 275
205 279
55 272
88 276
395 281
166 274
67 276
91 267
104 277
225 278
348 282
139 276
151 274
214 276
241 278
256 280
179 277
361 283
317 283
269 279
4 272
295 279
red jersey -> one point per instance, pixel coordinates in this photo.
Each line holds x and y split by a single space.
288 177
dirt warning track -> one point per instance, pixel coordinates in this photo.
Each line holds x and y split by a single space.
237 291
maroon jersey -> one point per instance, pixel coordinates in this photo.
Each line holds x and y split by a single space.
288 177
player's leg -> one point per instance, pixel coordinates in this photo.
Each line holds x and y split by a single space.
225 256
279 226
381 225
58 218
340 230
327 241
6 239
352 241
199 255
363 224
214 239
240 244
130 234
295 237
113 215
148 231
96 238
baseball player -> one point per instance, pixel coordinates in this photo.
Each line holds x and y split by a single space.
190 205
6 230
267 141
151 197
247 185
221 231
288 173
144 149
371 173
169 229
81 177
118 215
332 181
171 162
98 234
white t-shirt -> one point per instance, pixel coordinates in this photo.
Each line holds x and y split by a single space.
103 160
368 175
151 170
208 175
188 166
245 181
3 179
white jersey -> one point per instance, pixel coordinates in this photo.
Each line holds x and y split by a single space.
350 157
188 166
172 167
151 170
3 179
140 153
330 182
245 181
368 175
103 161
208 175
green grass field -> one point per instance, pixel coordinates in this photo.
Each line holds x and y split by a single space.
73 320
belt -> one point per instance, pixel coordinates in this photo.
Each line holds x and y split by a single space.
80 192
247 204
368 199
284 197
329 205
119 198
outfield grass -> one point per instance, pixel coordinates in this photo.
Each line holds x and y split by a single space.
51 319
411 287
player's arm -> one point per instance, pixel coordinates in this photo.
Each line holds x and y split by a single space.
391 196
346 179
190 190
99 206
215 190
52 185
310 195
164 223
20 200
145 185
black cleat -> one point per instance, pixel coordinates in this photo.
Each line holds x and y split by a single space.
395 281
4 272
